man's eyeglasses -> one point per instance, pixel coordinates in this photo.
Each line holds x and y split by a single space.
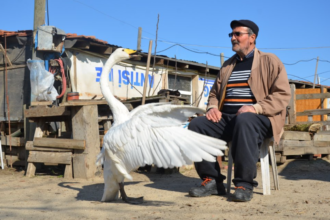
236 34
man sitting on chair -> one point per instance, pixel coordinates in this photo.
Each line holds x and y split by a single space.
247 104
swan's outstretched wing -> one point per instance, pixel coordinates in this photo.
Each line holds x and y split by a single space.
154 136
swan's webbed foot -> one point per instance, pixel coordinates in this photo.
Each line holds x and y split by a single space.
132 200
127 199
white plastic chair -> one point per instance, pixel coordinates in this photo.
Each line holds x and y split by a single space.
1 155
264 160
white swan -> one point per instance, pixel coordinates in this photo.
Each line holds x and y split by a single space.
149 134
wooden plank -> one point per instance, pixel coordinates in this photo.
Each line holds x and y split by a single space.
68 171
59 143
41 103
16 163
322 136
29 146
43 111
18 151
49 157
31 170
85 126
313 96
5 54
292 105
304 122
299 150
314 112
293 143
321 143
322 150
296 135
15 141
91 102
31 167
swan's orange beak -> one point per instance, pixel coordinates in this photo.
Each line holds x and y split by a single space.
129 51
132 53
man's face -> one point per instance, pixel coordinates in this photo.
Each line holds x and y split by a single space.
242 44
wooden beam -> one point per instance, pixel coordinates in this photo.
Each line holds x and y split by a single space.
296 135
59 143
41 103
85 126
4 53
91 102
15 141
293 143
314 112
292 104
49 157
159 61
203 69
313 96
182 65
82 44
29 146
43 111
314 122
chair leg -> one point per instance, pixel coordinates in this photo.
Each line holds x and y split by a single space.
274 166
264 160
230 168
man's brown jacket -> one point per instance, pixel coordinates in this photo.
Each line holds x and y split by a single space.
269 84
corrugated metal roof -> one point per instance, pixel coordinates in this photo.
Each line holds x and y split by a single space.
193 65
15 33
308 84
69 36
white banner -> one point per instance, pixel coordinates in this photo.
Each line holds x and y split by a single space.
125 80
207 84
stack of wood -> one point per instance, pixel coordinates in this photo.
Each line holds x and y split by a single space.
302 139
13 152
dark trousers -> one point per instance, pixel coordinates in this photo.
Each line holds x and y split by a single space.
246 132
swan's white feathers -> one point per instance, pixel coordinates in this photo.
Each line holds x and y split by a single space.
164 142
149 134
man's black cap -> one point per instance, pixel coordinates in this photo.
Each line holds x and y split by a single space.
245 23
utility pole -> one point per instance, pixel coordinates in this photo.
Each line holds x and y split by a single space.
39 19
317 61
146 76
222 58
139 39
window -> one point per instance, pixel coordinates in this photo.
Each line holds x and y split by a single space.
183 84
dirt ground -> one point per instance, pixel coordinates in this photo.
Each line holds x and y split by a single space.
304 194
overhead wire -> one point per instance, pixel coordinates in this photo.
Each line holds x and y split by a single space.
185 44
182 45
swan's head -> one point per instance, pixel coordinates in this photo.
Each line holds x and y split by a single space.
123 54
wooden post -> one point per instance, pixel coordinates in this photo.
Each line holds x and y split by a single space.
85 127
317 61
39 19
31 168
292 104
222 58
322 103
139 38
147 74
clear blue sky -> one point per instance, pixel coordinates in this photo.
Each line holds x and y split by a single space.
288 28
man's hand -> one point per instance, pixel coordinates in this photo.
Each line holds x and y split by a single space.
213 115
246 108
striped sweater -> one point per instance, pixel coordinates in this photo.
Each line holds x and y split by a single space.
238 92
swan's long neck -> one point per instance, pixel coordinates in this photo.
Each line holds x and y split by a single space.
119 111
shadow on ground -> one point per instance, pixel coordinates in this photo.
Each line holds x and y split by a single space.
299 169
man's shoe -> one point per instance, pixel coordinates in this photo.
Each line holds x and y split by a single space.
207 188
242 194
